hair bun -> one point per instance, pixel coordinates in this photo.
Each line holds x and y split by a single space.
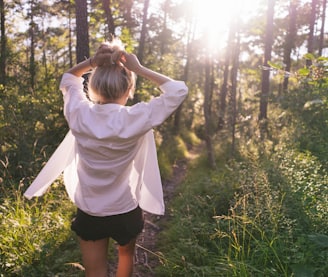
115 48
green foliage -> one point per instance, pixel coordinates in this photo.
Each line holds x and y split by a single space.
171 150
31 126
189 138
309 105
274 224
35 235
265 212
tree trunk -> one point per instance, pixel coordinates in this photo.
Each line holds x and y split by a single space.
311 29
226 71
233 100
207 113
164 34
185 77
265 86
141 48
127 13
3 43
322 30
70 51
177 114
32 46
82 30
290 39
109 18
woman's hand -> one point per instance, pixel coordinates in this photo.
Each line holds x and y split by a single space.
131 62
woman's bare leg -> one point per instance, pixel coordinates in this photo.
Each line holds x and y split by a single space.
94 257
126 259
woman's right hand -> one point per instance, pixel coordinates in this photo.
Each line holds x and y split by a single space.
131 62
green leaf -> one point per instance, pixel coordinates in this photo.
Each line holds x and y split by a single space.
309 56
303 71
274 65
322 59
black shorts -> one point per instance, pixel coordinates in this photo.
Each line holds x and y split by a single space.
122 228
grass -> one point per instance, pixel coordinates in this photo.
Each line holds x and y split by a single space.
275 223
262 213
35 235
270 219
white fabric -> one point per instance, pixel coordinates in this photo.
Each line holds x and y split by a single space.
53 168
109 157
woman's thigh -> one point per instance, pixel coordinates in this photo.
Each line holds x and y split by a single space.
94 256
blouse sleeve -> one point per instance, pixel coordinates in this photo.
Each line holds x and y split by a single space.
113 120
174 93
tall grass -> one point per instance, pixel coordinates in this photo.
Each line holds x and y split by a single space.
35 235
274 224
264 212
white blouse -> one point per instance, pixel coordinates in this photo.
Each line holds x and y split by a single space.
109 156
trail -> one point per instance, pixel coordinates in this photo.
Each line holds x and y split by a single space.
147 257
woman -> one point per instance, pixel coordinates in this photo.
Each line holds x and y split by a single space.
115 164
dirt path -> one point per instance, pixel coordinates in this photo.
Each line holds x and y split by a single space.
146 258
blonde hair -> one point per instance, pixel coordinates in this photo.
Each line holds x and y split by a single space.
112 80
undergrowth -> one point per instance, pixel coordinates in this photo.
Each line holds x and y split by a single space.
35 235
275 223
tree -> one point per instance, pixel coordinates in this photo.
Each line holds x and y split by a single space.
3 44
141 48
268 42
233 92
142 40
314 5
106 4
208 92
190 31
322 30
32 34
226 73
82 30
290 40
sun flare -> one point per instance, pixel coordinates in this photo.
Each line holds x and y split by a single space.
213 18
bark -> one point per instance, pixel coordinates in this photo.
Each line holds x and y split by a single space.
185 77
226 73
178 112
109 18
322 30
310 49
233 100
265 86
165 32
70 51
3 44
290 39
32 46
127 14
82 31
207 113
141 48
